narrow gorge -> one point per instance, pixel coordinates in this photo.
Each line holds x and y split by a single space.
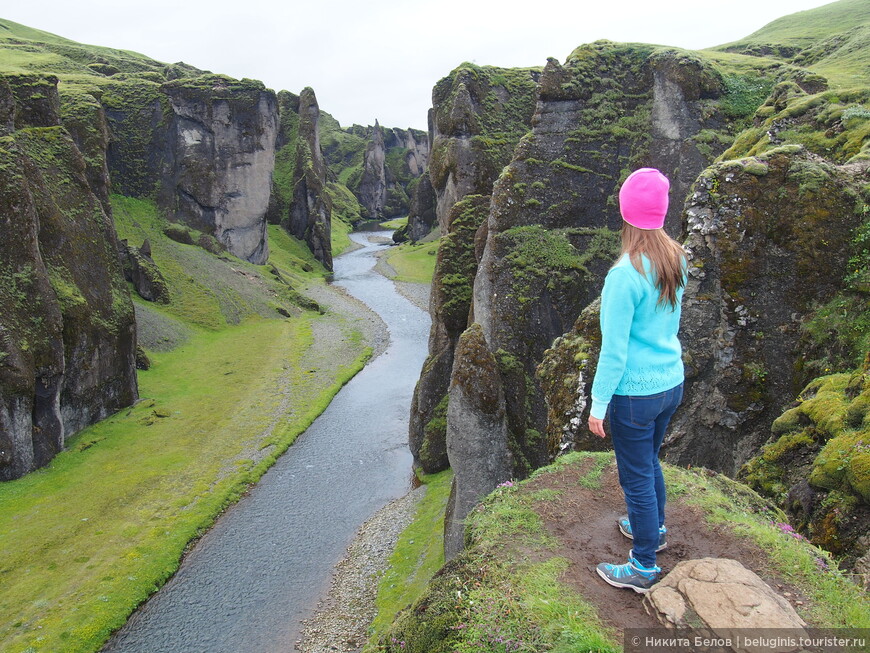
173 248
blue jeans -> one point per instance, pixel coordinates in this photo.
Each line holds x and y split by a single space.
637 427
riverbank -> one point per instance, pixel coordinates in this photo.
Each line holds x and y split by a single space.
89 537
343 617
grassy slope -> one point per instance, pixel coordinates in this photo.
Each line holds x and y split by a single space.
418 554
837 36
86 539
505 593
414 262
804 28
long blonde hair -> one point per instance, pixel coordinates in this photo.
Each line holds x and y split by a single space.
667 259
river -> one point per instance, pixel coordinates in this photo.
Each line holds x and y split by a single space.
250 581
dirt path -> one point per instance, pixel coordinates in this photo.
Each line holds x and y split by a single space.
584 521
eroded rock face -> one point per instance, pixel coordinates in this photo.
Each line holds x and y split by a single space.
141 270
721 594
373 185
759 265
476 434
817 467
310 212
552 229
220 157
769 240
421 212
67 329
449 304
472 138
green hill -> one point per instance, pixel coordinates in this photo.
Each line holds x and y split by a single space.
833 40
27 50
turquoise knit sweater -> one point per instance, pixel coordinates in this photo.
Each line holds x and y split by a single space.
640 351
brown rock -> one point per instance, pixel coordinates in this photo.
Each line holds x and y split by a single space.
719 594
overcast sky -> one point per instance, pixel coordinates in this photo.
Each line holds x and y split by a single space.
378 59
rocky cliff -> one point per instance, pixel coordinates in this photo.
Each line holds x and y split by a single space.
542 232
207 144
300 201
220 154
67 331
759 269
777 295
478 117
379 165
372 191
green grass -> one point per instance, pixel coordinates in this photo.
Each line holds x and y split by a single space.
414 262
834 40
340 237
86 539
506 593
395 223
419 553
212 291
834 601
806 27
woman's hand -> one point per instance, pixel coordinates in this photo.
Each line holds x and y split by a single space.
597 426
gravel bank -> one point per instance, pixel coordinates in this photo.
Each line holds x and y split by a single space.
343 617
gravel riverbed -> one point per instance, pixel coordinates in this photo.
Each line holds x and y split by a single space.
342 619
344 615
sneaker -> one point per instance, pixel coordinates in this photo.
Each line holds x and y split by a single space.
631 575
625 529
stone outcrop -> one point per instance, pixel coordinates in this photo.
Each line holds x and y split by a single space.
207 144
476 434
759 267
472 138
756 273
720 596
550 234
421 211
392 160
817 467
67 330
220 158
310 212
372 190
141 270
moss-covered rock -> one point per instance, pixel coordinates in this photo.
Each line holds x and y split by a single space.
494 106
67 332
817 467
449 306
765 251
476 434
309 211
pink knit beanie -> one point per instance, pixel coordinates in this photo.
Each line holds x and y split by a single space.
643 199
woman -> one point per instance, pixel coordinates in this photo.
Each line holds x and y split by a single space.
639 379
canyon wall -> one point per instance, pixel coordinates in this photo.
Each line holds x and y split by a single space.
204 146
67 331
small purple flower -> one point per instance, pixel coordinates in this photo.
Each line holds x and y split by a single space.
506 484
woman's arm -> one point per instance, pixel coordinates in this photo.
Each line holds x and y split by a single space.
619 298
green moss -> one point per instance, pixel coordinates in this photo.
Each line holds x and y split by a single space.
744 94
536 254
824 440
456 265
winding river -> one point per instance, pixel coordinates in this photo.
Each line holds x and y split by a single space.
253 578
